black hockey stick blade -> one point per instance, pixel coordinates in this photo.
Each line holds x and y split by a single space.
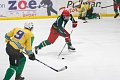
57 70
107 6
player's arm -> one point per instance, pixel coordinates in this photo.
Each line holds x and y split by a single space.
29 43
74 23
9 35
83 11
41 2
71 18
28 48
60 27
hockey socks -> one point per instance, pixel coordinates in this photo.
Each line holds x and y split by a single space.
21 66
10 71
44 43
41 45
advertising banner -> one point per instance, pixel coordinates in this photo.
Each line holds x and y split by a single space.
23 8
3 8
97 4
28 8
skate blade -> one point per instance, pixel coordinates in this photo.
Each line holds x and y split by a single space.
71 50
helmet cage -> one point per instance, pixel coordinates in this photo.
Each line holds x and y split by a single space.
29 26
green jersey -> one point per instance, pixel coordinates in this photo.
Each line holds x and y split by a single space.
117 1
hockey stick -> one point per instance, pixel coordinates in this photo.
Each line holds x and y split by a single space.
57 70
107 6
63 46
61 50
44 6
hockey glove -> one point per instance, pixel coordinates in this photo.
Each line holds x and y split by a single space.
32 57
83 18
74 24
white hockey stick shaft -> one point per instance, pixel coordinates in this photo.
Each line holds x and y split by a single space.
64 46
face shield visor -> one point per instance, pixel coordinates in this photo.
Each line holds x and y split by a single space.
66 17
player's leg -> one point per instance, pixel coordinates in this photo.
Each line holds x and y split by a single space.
68 41
53 10
48 11
116 10
21 65
89 12
14 61
119 7
51 39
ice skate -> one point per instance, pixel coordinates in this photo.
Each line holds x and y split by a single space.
116 15
79 17
19 78
98 15
36 49
85 21
71 48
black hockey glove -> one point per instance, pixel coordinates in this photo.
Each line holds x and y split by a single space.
32 57
83 18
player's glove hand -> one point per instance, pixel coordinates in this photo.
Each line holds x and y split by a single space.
32 57
83 18
74 24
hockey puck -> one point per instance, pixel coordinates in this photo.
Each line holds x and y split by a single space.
66 67
63 58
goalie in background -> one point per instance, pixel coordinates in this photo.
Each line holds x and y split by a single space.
116 4
49 4
58 29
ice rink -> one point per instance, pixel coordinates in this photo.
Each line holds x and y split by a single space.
97 55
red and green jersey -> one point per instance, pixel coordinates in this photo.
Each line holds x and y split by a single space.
117 1
60 23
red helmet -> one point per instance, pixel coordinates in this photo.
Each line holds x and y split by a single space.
65 13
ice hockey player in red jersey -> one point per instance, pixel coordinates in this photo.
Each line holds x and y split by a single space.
58 29
116 4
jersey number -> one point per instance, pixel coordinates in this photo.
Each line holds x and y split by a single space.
19 34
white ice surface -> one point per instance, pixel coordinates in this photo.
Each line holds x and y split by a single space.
97 55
